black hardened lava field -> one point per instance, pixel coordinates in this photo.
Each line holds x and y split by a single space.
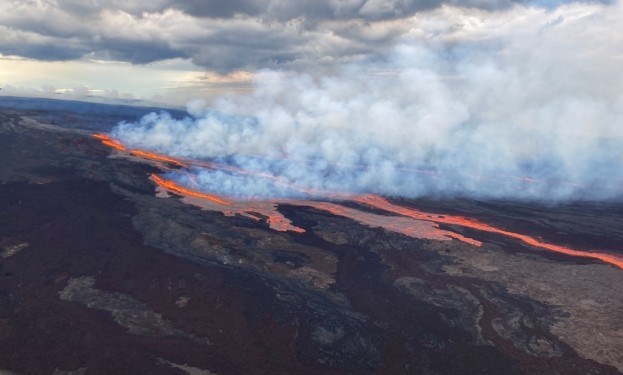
107 269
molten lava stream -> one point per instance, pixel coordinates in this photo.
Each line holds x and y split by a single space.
157 157
255 210
114 143
110 142
371 200
381 203
173 187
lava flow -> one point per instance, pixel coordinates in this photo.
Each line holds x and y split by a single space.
157 157
410 222
114 143
260 209
110 142
185 163
381 203
256 210
399 224
172 186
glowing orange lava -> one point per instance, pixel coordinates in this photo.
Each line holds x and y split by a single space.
172 186
255 210
157 157
258 209
114 143
184 163
412 227
110 142
381 203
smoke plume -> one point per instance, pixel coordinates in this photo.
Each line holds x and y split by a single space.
524 103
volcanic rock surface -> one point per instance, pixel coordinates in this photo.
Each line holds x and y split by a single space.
99 275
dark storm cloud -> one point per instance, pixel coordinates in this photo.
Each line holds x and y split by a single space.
219 8
221 35
43 51
319 10
137 52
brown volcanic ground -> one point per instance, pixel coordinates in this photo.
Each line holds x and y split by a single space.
100 276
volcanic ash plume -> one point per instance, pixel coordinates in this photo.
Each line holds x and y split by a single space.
474 107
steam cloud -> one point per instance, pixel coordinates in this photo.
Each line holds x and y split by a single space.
524 104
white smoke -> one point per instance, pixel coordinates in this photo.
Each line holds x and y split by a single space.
525 103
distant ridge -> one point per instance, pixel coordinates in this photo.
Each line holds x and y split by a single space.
89 116
82 107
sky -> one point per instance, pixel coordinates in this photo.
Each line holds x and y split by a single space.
174 51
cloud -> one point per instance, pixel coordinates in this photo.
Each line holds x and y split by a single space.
518 109
217 35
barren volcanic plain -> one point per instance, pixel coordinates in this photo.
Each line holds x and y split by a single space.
103 270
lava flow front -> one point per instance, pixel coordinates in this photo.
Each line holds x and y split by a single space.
409 221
